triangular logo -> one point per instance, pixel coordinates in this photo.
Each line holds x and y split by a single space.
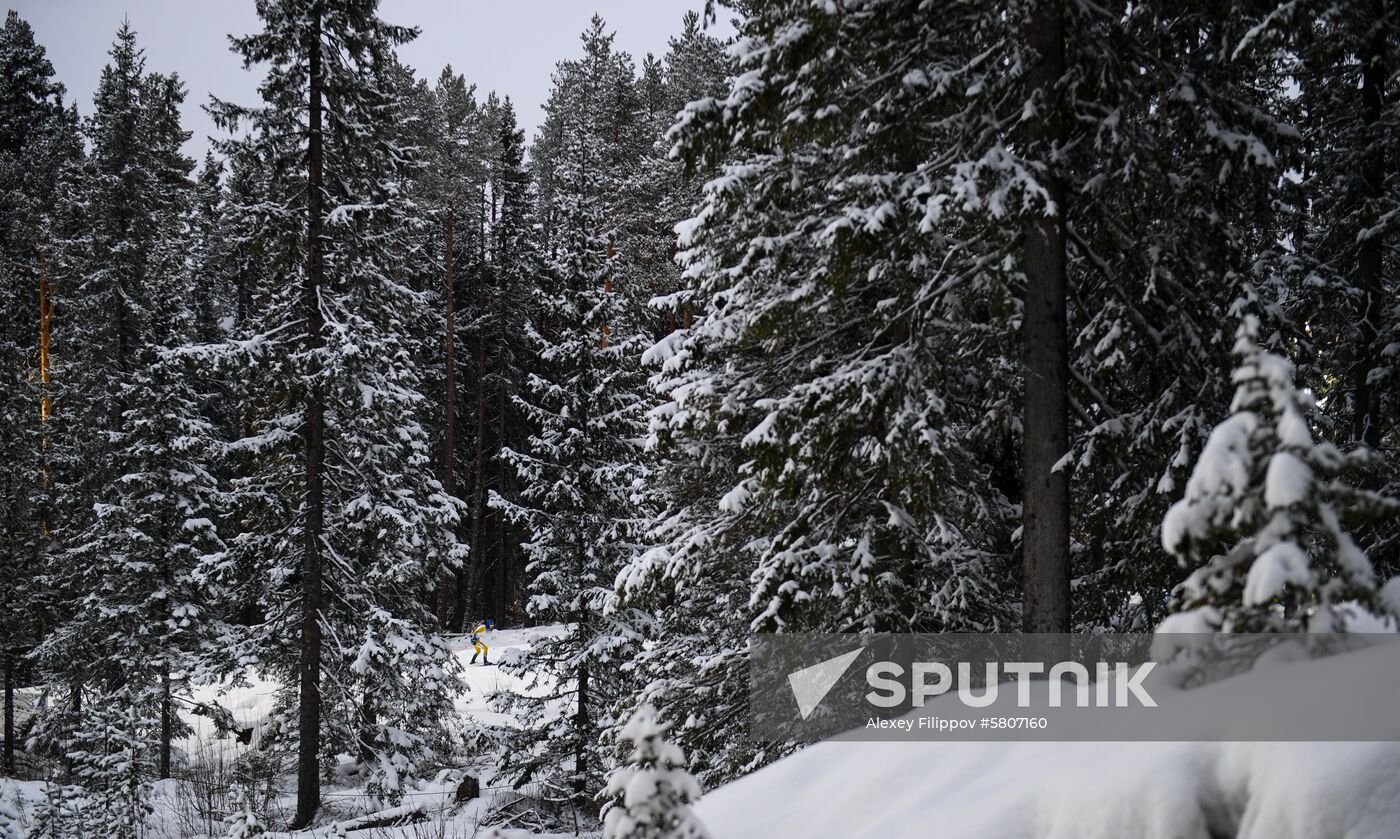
810 685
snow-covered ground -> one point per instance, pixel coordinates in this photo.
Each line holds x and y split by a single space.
1086 790
916 789
176 810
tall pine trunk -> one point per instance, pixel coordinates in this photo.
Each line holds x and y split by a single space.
1045 503
478 495
503 487
1366 427
313 433
448 585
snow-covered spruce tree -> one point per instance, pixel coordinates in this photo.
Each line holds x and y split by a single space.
1265 517
834 442
215 300
110 749
132 620
604 81
142 624
215 294
1342 266
345 523
38 140
662 192
67 810
101 264
650 792
581 472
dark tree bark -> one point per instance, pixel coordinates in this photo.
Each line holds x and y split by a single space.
167 721
9 760
313 433
477 490
448 586
580 738
449 418
1365 424
1045 504
503 484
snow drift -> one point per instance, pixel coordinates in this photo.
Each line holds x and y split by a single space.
1088 790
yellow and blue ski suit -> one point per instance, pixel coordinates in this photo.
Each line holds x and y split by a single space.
479 647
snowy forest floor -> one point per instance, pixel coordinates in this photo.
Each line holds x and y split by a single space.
193 805
902 790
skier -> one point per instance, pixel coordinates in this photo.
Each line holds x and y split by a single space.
479 647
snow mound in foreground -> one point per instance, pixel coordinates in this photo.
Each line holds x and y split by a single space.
913 789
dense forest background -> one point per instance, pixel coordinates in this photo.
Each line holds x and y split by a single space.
884 315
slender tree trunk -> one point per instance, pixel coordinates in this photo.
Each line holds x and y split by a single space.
502 542
45 383
370 720
449 347
166 722
9 760
1045 505
477 489
448 586
313 432
1366 427
581 738
45 347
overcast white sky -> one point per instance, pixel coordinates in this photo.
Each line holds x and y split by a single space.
509 46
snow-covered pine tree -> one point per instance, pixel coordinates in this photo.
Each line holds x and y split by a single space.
466 179
133 619
616 111
650 792
662 193
100 267
1339 216
834 442
347 524
581 471
1265 516
38 141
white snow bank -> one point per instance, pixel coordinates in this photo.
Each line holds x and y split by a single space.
1047 790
